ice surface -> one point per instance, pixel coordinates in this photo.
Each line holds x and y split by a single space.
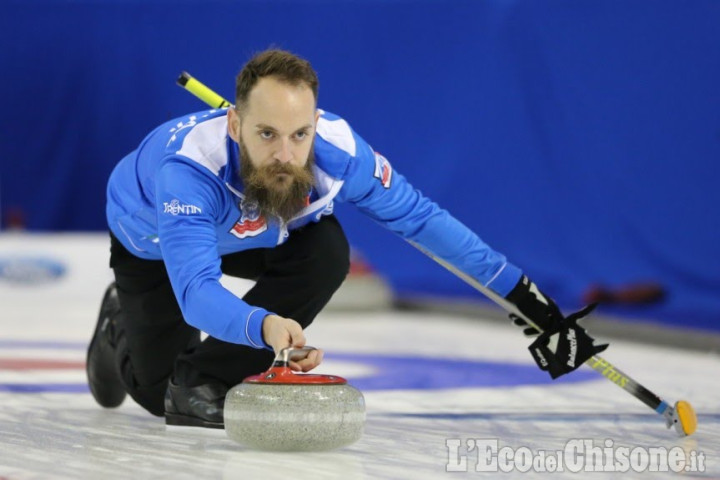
50 426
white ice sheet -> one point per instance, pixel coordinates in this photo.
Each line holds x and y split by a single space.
65 435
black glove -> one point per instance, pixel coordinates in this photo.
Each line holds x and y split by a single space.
565 347
535 305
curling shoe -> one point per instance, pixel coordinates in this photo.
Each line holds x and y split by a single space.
200 406
102 370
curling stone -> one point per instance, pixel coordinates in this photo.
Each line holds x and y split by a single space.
282 410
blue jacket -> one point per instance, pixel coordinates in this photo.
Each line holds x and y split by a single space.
179 198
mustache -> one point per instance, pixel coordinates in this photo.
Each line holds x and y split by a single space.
278 168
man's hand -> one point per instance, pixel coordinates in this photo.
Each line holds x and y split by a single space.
535 305
280 332
564 345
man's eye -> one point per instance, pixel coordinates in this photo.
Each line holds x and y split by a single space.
266 134
300 135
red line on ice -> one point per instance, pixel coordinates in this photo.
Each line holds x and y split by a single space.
39 364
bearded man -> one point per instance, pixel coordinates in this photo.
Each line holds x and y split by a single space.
249 191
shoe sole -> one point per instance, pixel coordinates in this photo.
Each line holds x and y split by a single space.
106 399
176 419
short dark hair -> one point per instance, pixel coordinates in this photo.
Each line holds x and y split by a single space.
283 65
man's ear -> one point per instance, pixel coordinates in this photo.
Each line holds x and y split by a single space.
233 124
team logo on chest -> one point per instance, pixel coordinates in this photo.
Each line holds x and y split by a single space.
251 223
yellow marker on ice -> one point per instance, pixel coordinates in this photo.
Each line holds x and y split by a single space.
198 89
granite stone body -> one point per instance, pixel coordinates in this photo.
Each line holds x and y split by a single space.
290 417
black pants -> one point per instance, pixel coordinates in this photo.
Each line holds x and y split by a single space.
294 280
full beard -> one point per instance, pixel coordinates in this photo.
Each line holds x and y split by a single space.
279 189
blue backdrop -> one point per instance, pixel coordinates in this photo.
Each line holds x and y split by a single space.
581 139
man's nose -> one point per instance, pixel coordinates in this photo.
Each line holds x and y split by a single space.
284 153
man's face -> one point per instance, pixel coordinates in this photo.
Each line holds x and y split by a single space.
275 133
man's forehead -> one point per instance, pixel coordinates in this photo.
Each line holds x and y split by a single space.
280 106
278 111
